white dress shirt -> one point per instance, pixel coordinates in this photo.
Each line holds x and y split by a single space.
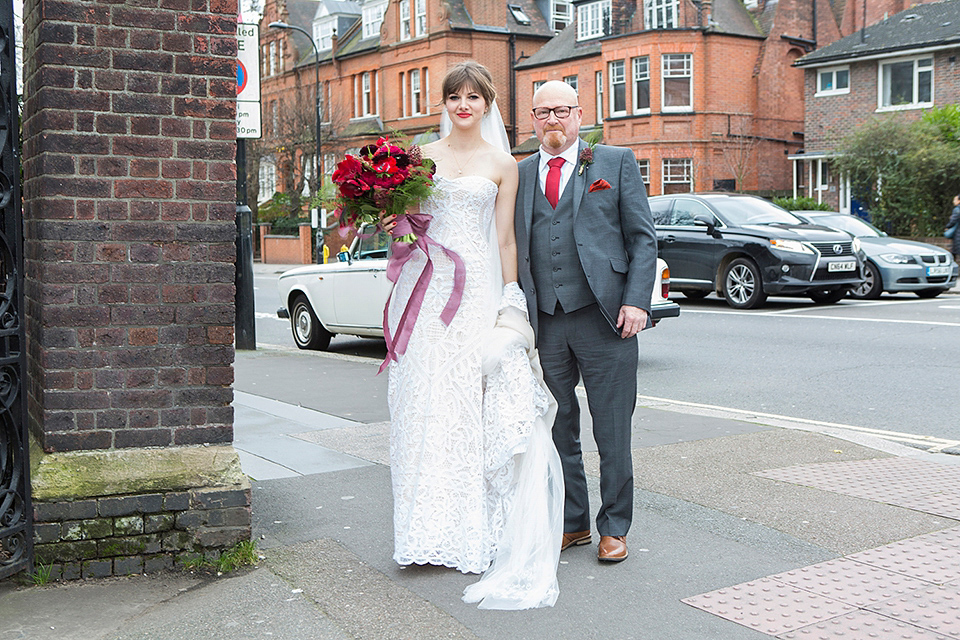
566 171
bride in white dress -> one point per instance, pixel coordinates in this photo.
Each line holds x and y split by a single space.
476 478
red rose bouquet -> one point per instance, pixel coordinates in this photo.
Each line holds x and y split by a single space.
383 178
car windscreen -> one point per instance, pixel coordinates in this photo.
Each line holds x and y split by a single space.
853 226
741 211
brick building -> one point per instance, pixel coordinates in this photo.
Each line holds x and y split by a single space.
703 92
381 64
901 67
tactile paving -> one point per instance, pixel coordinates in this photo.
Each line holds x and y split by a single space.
936 609
851 582
769 606
907 482
862 625
923 557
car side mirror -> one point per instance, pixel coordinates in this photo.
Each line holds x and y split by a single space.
344 256
703 220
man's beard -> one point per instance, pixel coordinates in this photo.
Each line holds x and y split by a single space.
554 139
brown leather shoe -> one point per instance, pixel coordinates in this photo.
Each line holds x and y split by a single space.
575 539
612 549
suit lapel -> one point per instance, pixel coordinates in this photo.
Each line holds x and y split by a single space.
531 182
579 180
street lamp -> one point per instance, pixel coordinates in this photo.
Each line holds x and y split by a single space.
284 25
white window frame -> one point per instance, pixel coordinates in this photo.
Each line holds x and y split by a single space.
373 18
598 81
406 27
537 84
572 81
618 76
367 108
323 33
561 14
660 14
669 72
640 67
593 20
425 84
834 73
644 166
669 176
420 18
403 97
267 178
416 93
917 70
273 58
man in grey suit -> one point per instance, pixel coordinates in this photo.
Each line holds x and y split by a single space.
587 255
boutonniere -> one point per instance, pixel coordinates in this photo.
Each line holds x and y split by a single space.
586 158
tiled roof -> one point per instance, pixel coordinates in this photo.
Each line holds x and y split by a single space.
730 16
925 25
563 46
460 18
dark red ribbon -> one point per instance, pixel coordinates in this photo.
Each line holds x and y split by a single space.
417 224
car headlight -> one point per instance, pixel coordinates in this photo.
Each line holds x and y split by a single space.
898 258
856 245
793 246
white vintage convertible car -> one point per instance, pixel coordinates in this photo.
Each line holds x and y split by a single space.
347 296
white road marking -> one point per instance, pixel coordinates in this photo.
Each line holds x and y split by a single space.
778 314
271 316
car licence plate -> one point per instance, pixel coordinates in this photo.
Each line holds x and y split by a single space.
841 266
938 271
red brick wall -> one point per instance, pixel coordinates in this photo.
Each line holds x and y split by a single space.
129 207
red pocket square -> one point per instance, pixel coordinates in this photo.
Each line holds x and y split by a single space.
599 185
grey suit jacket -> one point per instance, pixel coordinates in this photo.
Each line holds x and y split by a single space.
613 229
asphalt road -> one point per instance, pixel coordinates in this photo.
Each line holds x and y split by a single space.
891 364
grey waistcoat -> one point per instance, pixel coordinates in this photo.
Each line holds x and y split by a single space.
555 265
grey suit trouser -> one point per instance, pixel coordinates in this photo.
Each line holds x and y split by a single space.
583 344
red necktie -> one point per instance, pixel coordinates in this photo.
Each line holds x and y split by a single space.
552 189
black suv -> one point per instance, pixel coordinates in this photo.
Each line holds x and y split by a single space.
747 248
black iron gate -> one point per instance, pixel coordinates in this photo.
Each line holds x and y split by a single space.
16 513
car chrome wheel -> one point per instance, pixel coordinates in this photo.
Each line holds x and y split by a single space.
742 286
308 333
872 285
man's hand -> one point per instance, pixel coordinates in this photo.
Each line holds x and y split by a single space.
631 321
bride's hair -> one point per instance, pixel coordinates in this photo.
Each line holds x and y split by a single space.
472 74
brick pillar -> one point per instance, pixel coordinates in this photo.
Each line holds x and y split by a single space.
129 205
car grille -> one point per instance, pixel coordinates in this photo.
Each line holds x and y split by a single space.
938 258
826 248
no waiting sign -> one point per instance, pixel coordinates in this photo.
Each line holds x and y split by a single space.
248 81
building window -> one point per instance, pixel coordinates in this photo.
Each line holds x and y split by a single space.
415 93
593 20
833 81
644 166
267 178
373 18
537 84
273 58
329 163
660 14
403 95
677 82
517 12
323 34
618 89
677 175
571 80
274 118
367 95
599 84
404 19
425 75
906 84
561 14
641 84
420 17
324 101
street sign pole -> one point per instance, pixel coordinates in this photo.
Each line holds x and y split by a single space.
248 126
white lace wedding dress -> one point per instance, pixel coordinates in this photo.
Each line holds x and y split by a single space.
476 478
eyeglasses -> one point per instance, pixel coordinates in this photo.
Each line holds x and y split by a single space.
542 113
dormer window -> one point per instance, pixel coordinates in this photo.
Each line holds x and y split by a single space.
561 14
660 14
518 14
593 20
373 18
323 33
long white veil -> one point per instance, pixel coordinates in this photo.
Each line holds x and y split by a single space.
491 127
